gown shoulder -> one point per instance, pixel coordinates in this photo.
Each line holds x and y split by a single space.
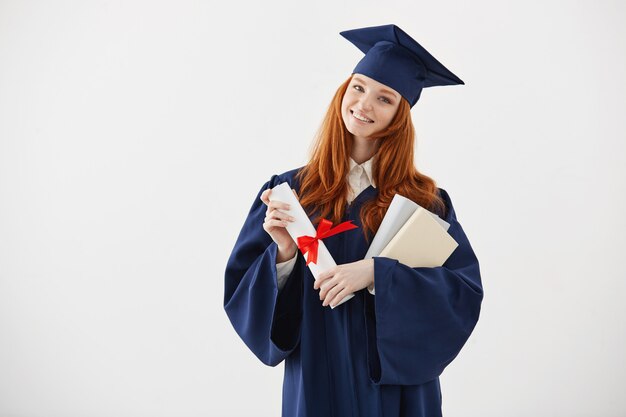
287 176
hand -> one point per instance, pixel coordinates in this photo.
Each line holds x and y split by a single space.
275 222
343 280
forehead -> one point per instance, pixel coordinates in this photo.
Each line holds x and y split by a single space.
370 82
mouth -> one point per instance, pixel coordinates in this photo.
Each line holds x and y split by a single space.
360 117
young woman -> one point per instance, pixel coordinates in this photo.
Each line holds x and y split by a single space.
380 353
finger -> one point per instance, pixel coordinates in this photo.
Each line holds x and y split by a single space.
265 196
321 278
331 294
276 204
326 286
324 290
271 210
276 223
277 214
329 273
340 296
295 193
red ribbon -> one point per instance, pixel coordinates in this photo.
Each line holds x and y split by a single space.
311 243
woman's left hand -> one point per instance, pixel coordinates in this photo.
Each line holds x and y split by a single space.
343 280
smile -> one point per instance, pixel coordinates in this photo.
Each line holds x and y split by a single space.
360 117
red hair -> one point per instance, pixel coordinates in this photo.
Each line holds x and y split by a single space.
323 181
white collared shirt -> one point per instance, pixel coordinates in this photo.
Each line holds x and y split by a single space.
359 178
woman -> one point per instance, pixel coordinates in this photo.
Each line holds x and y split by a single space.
381 352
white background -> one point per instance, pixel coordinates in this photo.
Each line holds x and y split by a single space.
134 137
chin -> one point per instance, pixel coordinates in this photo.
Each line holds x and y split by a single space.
360 132
355 132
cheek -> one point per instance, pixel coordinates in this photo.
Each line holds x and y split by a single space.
388 116
344 102
344 105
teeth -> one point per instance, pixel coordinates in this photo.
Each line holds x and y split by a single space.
362 118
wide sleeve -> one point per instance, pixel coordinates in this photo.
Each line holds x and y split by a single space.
421 317
268 321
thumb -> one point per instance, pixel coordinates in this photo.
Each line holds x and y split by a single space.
296 194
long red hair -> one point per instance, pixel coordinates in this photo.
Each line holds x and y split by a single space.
323 181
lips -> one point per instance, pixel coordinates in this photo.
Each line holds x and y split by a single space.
362 116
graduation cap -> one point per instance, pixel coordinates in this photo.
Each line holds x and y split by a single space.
395 59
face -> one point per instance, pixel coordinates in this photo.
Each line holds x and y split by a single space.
368 106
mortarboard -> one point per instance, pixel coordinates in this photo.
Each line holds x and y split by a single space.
395 59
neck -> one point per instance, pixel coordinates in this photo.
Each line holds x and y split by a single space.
363 149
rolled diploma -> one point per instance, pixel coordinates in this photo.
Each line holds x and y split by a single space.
302 226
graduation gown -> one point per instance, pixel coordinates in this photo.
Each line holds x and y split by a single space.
372 356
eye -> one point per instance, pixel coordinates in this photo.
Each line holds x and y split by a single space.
359 88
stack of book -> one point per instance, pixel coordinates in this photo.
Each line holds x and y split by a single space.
412 235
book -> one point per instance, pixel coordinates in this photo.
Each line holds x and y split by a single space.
420 242
413 235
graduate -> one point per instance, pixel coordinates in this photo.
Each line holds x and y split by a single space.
381 352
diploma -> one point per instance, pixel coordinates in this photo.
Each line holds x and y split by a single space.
302 227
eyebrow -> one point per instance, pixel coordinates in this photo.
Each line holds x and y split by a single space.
384 90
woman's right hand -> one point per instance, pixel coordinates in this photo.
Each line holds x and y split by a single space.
275 223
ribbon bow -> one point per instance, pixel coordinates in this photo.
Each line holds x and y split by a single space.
311 243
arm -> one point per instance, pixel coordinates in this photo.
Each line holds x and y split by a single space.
421 317
268 323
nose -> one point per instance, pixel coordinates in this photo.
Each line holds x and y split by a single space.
366 102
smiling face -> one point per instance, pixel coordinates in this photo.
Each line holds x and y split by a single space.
368 106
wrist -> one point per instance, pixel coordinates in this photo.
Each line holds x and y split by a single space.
371 287
284 254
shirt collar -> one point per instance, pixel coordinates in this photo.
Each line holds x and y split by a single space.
367 166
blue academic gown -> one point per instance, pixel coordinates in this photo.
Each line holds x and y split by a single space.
372 356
